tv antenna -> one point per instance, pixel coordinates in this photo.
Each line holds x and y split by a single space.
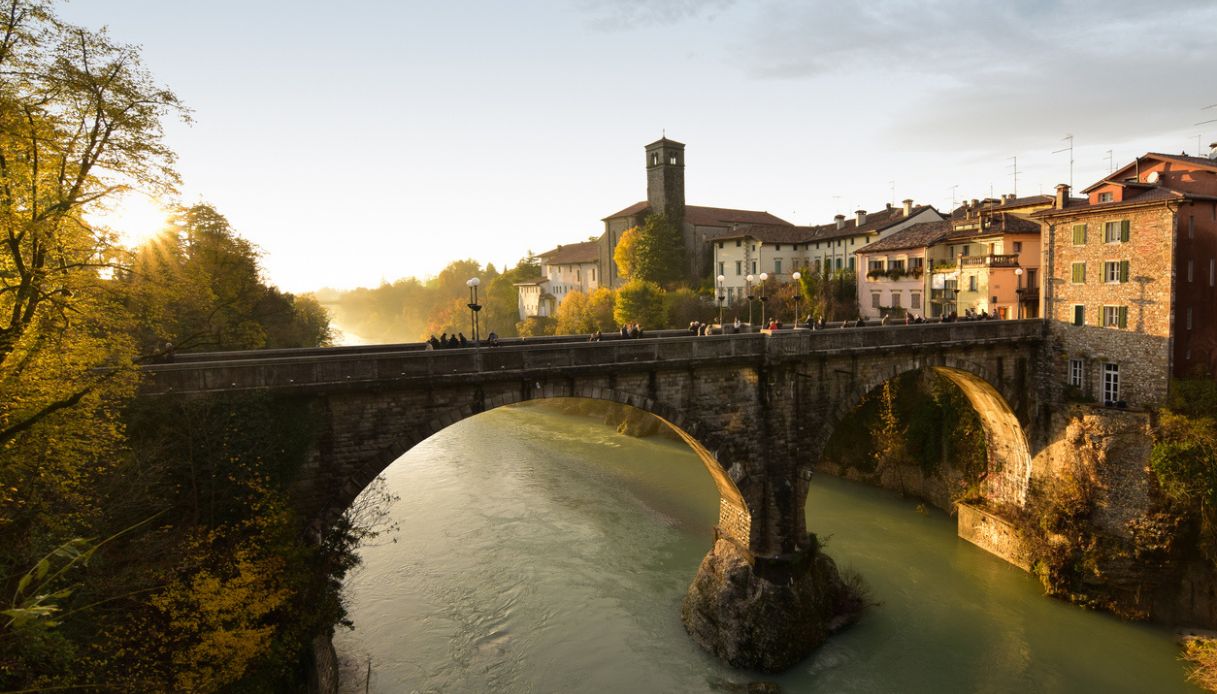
1069 149
892 184
953 188
1111 163
1015 172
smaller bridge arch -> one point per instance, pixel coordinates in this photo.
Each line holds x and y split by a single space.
1009 451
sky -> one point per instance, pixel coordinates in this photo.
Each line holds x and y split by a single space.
365 141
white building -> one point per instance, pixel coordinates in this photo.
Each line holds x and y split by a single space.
565 269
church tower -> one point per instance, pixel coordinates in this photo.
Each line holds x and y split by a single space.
666 178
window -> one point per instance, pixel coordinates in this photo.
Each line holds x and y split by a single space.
1115 232
777 247
915 300
1018 246
897 301
1079 314
1079 273
672 158
964 250
971 283
1111 383
851 262
739 267
875 265
1079 234
874 299
1115 271
838 263
817 264
654 159
754 248
1106 197
898 265
1075 373
737 243
777 266
721 265
851 241
720 245
1115 316
754 267
916 263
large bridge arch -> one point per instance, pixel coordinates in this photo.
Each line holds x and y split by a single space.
1009 451
735 518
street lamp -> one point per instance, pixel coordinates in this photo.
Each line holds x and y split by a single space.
722 301
797 290
764 276
1018 274
750 279
474 306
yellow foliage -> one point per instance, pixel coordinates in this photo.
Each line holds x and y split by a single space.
1202 652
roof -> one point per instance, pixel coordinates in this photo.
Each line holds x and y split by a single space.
1114 176
767 233
571 253
916 236
707 216
665 140
999 224
875 222
1156 194
531 283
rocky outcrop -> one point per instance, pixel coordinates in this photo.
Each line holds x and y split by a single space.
767 614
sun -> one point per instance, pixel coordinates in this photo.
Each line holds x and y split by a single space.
134 216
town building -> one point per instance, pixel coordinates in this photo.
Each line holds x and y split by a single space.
1131 279
896 270
835 245
567 268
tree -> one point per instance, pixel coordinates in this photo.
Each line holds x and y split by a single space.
683 306
640 302
572 315
600 304
653 252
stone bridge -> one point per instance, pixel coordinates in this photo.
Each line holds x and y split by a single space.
757 408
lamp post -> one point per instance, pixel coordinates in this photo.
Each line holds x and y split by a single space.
722 301
764 276
797 290
474 306
1018 274
749 279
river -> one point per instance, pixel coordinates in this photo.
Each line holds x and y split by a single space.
540 552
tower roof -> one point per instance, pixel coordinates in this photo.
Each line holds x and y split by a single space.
664 141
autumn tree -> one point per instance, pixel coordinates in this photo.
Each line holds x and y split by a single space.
572 315
683 306
640 302
653 252
600 304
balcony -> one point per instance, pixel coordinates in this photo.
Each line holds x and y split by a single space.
1004 260
894 274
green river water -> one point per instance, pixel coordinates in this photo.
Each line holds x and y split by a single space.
539 552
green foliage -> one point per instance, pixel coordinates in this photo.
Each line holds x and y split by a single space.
536 326
640 302
830 294
198 286
572 315
653 252
683 306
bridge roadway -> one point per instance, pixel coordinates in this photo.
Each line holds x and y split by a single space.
336 367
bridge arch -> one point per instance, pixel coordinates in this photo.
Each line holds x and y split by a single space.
735 518
1009 453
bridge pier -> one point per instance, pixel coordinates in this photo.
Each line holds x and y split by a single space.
766 613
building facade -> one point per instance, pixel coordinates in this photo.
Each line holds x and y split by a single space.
1132 279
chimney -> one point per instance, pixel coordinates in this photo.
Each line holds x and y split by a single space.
861 216
840 221
1213 151
889 206
1062 196
908 206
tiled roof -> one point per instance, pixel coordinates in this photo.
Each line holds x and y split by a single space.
917 236
1198 161
1157 194
707 216
1115 176
875 222
767 233
586 252
531 283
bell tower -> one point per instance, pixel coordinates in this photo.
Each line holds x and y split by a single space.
666 178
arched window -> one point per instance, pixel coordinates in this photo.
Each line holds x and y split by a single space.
672 158
655 159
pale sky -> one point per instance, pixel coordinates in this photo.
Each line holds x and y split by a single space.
363 141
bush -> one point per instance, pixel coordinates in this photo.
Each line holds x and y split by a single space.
642 303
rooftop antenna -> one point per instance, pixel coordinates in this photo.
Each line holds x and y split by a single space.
1069 149
892 184
1015 172
953 196
1111 163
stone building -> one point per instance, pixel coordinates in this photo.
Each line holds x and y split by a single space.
1131 279
665 168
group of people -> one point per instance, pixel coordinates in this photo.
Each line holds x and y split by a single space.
631 330
447 341
970 314
699 328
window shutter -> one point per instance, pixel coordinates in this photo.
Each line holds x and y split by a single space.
1123 270
1124 231
1123 316
1079 234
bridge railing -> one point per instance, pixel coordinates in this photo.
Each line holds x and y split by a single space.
286 369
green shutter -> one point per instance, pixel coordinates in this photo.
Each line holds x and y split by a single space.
1123 316
1079 234
1124 231
1123 270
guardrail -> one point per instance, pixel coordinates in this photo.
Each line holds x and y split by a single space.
295 369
